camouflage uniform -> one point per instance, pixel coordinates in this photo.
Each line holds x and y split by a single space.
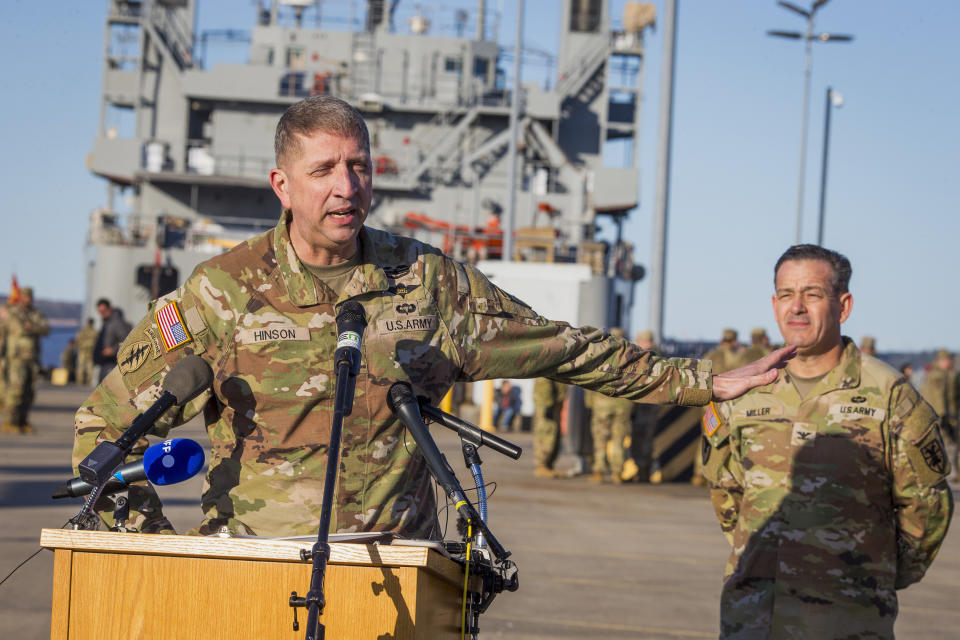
756 350
24 328
267 328
547 404
609 426
643 422
830 503
86 339
724 357
940 390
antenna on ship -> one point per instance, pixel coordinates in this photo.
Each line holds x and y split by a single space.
298 7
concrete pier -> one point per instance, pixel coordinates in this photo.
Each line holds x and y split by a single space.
595 561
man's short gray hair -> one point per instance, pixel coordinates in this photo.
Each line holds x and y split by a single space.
839 281
318 113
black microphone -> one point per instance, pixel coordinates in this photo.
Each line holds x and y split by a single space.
163 463
404 405
470 432
351 321
185 381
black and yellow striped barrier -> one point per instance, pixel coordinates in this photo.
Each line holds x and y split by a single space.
676 443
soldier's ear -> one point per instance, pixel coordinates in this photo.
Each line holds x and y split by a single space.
280 184
846 306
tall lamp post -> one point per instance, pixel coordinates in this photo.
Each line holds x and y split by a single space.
834 99
809 37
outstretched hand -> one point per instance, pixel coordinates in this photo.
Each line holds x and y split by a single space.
737 382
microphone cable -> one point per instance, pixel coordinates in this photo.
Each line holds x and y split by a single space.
466 582
29 558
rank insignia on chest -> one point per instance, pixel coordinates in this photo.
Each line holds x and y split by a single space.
803 433
173 330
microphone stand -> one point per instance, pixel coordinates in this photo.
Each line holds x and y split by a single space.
320 553
100 464
497 578
469 432
351 322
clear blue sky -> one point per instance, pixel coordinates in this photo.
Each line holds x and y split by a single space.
891 207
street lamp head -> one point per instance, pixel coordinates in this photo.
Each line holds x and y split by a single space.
794 35
836 98
833 37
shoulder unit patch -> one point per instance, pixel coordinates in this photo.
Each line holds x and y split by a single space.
133 355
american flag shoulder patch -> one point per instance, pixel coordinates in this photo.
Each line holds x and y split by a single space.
173 330
711 420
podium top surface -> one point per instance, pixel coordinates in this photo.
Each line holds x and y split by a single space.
248 549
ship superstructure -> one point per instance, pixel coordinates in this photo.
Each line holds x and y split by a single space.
192 156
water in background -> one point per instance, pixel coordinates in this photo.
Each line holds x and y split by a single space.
53 344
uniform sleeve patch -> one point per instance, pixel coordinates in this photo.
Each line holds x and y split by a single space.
934 455
173 330
711 420
194 321
154 341
133 355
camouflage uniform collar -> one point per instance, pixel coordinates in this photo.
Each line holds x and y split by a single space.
303 288
846 375
368 276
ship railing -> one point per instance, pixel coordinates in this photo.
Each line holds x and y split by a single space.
243 165
124 9
201 161
134 229
171 24
576 76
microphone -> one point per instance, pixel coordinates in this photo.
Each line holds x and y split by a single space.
470 432
186 380
167 462
404 405
351 321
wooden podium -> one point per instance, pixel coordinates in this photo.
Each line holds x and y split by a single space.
110 586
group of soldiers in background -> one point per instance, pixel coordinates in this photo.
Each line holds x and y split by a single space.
621 430
90 348
21 328
941 388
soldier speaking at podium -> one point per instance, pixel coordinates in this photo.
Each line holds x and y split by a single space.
262 315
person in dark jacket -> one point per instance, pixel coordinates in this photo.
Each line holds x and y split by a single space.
112 333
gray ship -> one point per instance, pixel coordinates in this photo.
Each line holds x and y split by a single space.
188 162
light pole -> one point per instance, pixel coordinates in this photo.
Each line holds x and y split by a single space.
809 38
834 99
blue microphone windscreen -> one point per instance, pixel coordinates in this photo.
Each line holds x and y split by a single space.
172 461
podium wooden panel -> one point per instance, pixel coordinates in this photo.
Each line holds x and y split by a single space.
122 586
